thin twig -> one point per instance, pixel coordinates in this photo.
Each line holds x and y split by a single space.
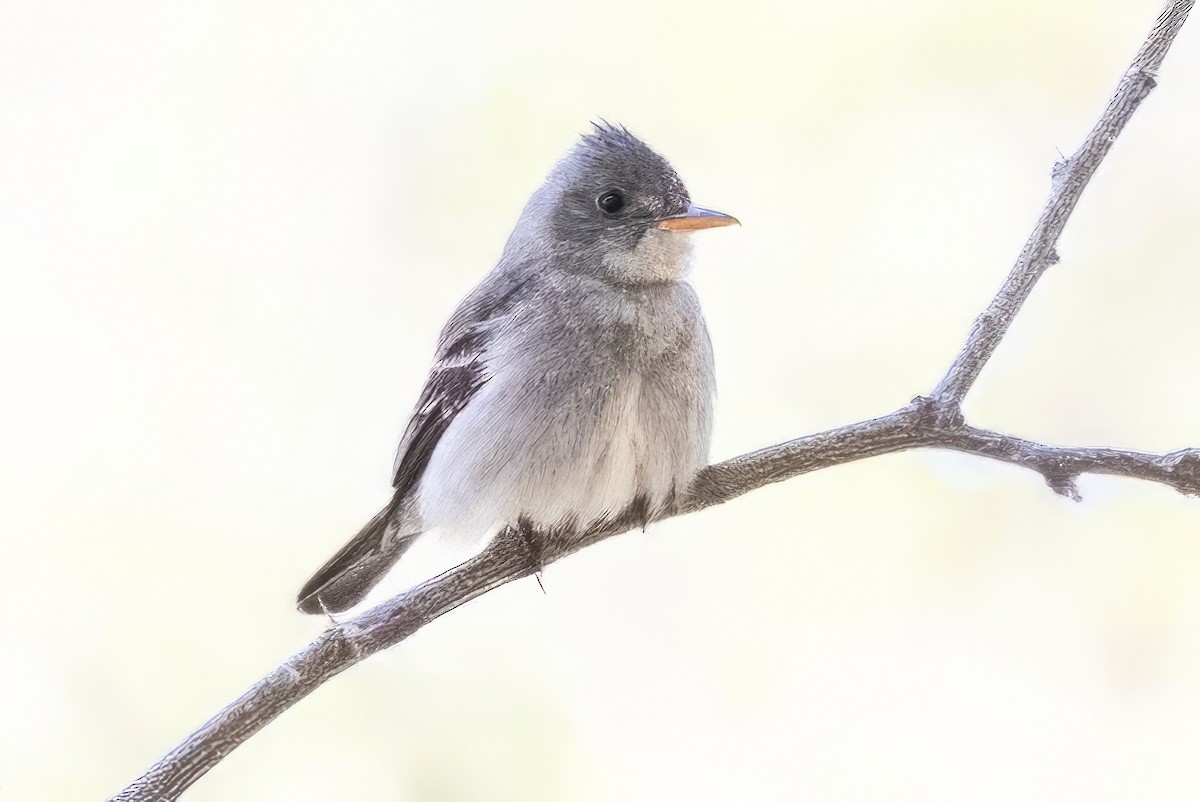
1069 178
934 422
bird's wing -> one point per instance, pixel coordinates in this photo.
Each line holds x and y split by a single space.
350 574
459 371
455 378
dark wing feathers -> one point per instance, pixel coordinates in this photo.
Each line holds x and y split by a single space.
457 375
459 371
452 383
348 575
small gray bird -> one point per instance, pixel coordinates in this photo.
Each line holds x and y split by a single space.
573 385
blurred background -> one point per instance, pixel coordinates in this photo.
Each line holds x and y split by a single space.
230 232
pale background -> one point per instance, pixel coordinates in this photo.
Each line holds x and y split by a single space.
229 233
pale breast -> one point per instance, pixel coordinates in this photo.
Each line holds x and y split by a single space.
582 415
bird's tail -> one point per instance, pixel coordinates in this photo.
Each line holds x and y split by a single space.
349 575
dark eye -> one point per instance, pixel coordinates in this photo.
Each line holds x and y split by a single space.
611 202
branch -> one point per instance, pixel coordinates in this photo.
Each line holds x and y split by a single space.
508 557
928 422
924 424
1070 177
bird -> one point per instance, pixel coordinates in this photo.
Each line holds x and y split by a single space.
574 385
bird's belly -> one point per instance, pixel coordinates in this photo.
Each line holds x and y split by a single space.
574 462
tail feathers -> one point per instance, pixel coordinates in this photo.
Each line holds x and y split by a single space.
349 575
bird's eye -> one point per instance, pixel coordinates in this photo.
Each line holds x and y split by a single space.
611 202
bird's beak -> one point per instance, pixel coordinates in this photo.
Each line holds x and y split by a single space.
696 218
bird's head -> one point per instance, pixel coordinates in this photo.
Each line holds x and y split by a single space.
614 209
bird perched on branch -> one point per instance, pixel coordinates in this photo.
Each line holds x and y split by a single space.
574 385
